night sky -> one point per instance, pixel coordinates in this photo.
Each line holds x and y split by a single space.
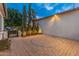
45 9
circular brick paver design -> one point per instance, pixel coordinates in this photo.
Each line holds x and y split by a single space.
41 43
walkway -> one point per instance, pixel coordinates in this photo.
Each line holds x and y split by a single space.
42 45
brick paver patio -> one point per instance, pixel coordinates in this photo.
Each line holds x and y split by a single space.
42 45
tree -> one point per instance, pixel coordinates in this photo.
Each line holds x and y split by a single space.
33 23
24 18
29 16
24 21
32 15
14 18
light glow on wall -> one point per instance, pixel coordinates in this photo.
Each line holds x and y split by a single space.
53 20
56 18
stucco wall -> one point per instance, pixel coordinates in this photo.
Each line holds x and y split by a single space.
3 34
67 26
2 9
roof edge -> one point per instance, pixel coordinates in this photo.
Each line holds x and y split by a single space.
58 13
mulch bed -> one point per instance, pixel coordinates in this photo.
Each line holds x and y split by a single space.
4 44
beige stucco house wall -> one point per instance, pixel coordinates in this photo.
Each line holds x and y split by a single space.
3 34
64 24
